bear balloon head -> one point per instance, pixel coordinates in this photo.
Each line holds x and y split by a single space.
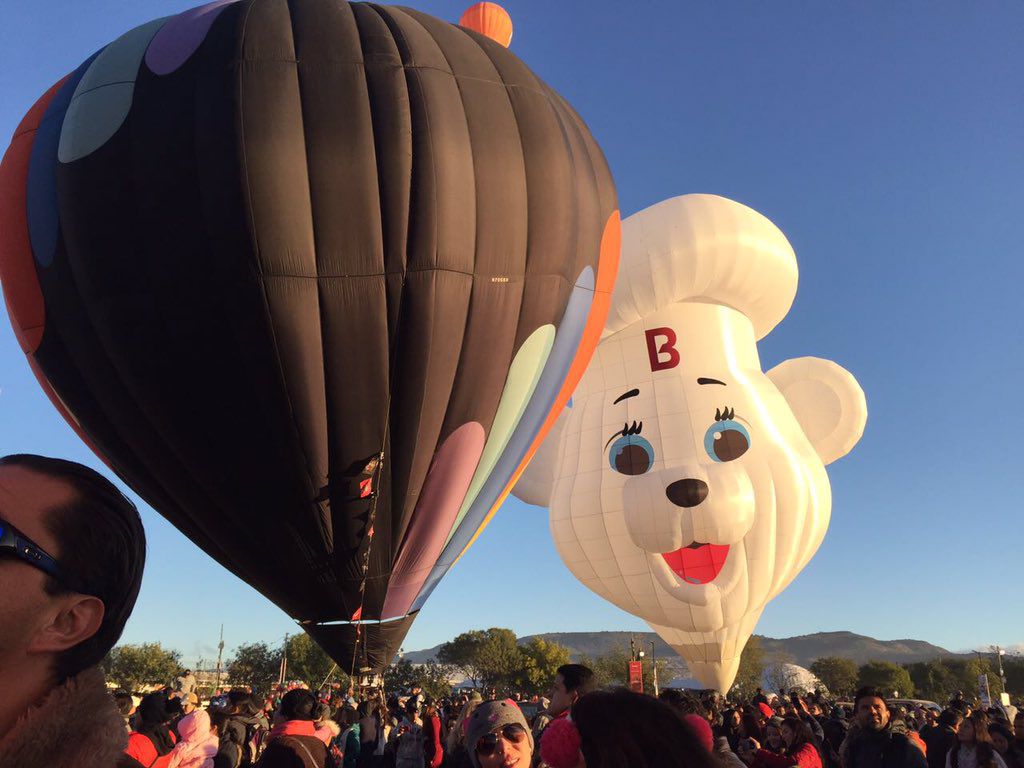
686 485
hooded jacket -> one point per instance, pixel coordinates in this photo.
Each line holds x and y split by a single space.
198 746
76 724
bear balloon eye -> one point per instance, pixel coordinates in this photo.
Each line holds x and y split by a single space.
631 455
726 440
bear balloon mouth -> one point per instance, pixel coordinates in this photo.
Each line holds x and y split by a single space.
697 563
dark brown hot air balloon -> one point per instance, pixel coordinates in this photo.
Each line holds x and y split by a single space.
313 279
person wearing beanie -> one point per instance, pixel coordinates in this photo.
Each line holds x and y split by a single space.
293 741
497 734
154 739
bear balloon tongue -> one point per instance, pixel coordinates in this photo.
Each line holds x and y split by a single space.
697 563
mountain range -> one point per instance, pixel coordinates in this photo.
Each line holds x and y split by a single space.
801 650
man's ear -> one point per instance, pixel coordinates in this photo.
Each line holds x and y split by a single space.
827 402
74 619
537 482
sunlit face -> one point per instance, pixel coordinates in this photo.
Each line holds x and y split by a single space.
506 747
872 713
25 500
687 493
561 698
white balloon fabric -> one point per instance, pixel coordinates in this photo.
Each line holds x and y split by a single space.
686 485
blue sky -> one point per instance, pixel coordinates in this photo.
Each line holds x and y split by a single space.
885 139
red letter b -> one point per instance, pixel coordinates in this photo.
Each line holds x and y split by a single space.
654 352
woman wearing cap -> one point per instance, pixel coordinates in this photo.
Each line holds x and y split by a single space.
497 736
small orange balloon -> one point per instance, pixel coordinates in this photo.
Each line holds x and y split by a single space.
489 19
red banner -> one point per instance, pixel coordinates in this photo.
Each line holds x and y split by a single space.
636 676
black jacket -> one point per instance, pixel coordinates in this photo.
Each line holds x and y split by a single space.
881 749
938 740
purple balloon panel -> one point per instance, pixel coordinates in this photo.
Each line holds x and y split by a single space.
182 36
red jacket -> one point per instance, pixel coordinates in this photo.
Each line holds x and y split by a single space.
432 749
141 748
805 757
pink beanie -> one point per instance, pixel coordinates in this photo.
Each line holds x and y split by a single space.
701 729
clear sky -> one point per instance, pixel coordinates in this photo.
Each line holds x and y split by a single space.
886 140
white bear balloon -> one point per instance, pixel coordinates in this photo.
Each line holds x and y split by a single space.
686 485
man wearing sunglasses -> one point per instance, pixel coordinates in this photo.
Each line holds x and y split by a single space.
72 549
497 736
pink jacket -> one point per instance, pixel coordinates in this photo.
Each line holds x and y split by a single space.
198 746
328 730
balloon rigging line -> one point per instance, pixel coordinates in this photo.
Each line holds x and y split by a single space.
375 474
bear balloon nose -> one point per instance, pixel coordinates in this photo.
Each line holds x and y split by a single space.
687 493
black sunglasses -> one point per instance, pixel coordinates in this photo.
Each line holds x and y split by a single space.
22 547
489 741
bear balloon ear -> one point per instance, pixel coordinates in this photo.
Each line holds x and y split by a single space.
827 402
537 482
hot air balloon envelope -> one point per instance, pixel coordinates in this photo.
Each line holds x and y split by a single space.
686 485
313 278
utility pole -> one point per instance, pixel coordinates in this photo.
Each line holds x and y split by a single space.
220 653
999 658
654 671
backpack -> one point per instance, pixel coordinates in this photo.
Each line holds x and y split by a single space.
253 745
409 753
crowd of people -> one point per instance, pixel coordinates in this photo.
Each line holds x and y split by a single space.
575 727
73 552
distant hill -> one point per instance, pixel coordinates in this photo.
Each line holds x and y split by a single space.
800 650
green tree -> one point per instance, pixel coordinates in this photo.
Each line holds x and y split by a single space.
132 666
983 666
489 658
463 653
432 677
887 677
400 676
1013 668
498 658
933 680
539 662
751 670
254 664
838 674
308 662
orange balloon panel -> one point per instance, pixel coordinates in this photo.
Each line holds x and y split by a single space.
489 19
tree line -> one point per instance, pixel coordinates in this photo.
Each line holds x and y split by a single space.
495 659
935 680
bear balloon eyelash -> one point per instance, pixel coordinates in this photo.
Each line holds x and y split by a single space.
724 415
627 430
